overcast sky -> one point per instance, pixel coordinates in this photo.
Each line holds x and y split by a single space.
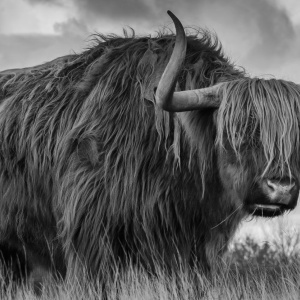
261 35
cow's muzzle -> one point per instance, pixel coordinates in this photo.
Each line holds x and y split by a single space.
280 191
276 197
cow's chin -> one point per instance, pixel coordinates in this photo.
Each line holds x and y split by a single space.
267 210
260 204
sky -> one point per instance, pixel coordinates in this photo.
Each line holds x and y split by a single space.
263 36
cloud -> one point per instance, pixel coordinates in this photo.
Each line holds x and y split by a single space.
272 32
255 31
50 2
71 27
257 34
25 50
129 9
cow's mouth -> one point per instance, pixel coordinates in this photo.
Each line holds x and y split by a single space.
267 210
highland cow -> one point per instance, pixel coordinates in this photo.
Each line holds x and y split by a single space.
133 152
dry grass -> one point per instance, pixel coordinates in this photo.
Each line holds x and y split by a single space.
249 284
250 271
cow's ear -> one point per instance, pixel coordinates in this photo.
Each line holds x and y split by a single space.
150 89
149 71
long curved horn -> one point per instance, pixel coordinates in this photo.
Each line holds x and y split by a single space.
165 96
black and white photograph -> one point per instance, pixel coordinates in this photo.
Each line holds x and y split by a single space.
149 149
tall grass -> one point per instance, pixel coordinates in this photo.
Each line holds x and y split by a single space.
250 270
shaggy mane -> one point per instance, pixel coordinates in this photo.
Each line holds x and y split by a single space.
131 63
265 109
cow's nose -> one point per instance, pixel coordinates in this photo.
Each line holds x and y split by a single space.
280 190
280 186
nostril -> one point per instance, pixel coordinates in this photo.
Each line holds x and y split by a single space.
271 185
281 185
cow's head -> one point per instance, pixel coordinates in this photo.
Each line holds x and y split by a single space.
258 142
258 133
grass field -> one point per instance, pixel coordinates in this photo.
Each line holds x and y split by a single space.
250 270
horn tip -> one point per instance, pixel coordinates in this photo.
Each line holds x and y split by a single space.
176 21
170 14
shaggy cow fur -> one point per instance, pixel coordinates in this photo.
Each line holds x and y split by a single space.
94 175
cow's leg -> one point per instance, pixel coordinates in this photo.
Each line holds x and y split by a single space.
13 263
31 263
37 278
43 266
